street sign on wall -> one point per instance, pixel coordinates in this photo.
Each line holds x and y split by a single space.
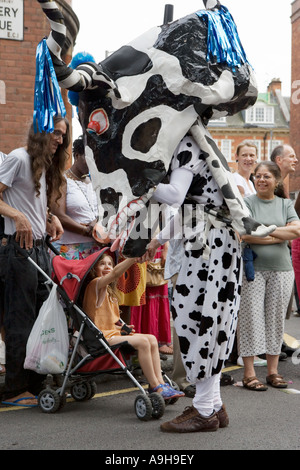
11 19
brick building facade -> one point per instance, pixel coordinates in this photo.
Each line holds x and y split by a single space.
266 124
17 68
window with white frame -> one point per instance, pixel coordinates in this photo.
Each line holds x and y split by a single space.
260 113
226 149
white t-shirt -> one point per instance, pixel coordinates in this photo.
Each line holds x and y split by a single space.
81 206
16 174
241 181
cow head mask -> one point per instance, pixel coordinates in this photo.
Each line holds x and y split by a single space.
137 104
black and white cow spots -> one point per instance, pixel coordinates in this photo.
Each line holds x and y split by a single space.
206 297
206 318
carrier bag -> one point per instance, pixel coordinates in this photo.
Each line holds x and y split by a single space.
48 343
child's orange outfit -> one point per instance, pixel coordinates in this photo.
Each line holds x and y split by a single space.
104 316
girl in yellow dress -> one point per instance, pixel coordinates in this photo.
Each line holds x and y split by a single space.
101 305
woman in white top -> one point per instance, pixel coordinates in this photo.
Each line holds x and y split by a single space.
77 209
246 156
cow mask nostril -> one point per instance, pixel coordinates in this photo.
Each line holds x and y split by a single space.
135 248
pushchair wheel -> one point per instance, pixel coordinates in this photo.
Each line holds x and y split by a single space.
143 407
158 405
93 388
50 401
82 391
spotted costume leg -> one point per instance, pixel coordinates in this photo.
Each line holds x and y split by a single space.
205 305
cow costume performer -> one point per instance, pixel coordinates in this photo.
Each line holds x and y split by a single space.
137 104
148 101
206 296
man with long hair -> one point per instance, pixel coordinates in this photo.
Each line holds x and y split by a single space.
29 176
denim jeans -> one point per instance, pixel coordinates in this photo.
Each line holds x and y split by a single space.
23 294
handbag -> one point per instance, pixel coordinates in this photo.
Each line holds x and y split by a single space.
155 274
48 343
249 256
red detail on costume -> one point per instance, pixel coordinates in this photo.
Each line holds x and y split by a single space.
98 121
95 126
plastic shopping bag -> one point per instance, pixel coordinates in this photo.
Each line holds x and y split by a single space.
48 343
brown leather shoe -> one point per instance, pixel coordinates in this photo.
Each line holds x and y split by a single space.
191 421
223 417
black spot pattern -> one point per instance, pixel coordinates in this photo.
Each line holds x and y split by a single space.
206 298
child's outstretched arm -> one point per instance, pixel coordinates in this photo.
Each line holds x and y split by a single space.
116 272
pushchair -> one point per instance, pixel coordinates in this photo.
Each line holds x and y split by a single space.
90 354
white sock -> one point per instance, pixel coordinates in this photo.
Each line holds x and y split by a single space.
217 394
207 397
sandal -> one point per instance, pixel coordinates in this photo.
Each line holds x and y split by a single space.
166 349
256 386
276 381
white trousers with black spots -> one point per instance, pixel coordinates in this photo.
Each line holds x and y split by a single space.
205 304
263 307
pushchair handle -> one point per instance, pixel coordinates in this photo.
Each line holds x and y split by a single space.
51 246
21 250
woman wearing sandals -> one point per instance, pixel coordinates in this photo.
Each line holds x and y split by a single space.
264 301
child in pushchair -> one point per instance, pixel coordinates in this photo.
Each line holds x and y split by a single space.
86 284
101 305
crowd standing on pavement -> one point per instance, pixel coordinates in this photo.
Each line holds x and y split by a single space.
40 196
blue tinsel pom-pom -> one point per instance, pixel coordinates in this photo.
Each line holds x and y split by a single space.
223 42
79 58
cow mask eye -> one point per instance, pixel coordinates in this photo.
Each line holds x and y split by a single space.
145 135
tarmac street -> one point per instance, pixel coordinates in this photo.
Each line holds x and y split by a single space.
258 420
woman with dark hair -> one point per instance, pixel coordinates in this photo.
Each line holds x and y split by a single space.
77 209
28 179
264 300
